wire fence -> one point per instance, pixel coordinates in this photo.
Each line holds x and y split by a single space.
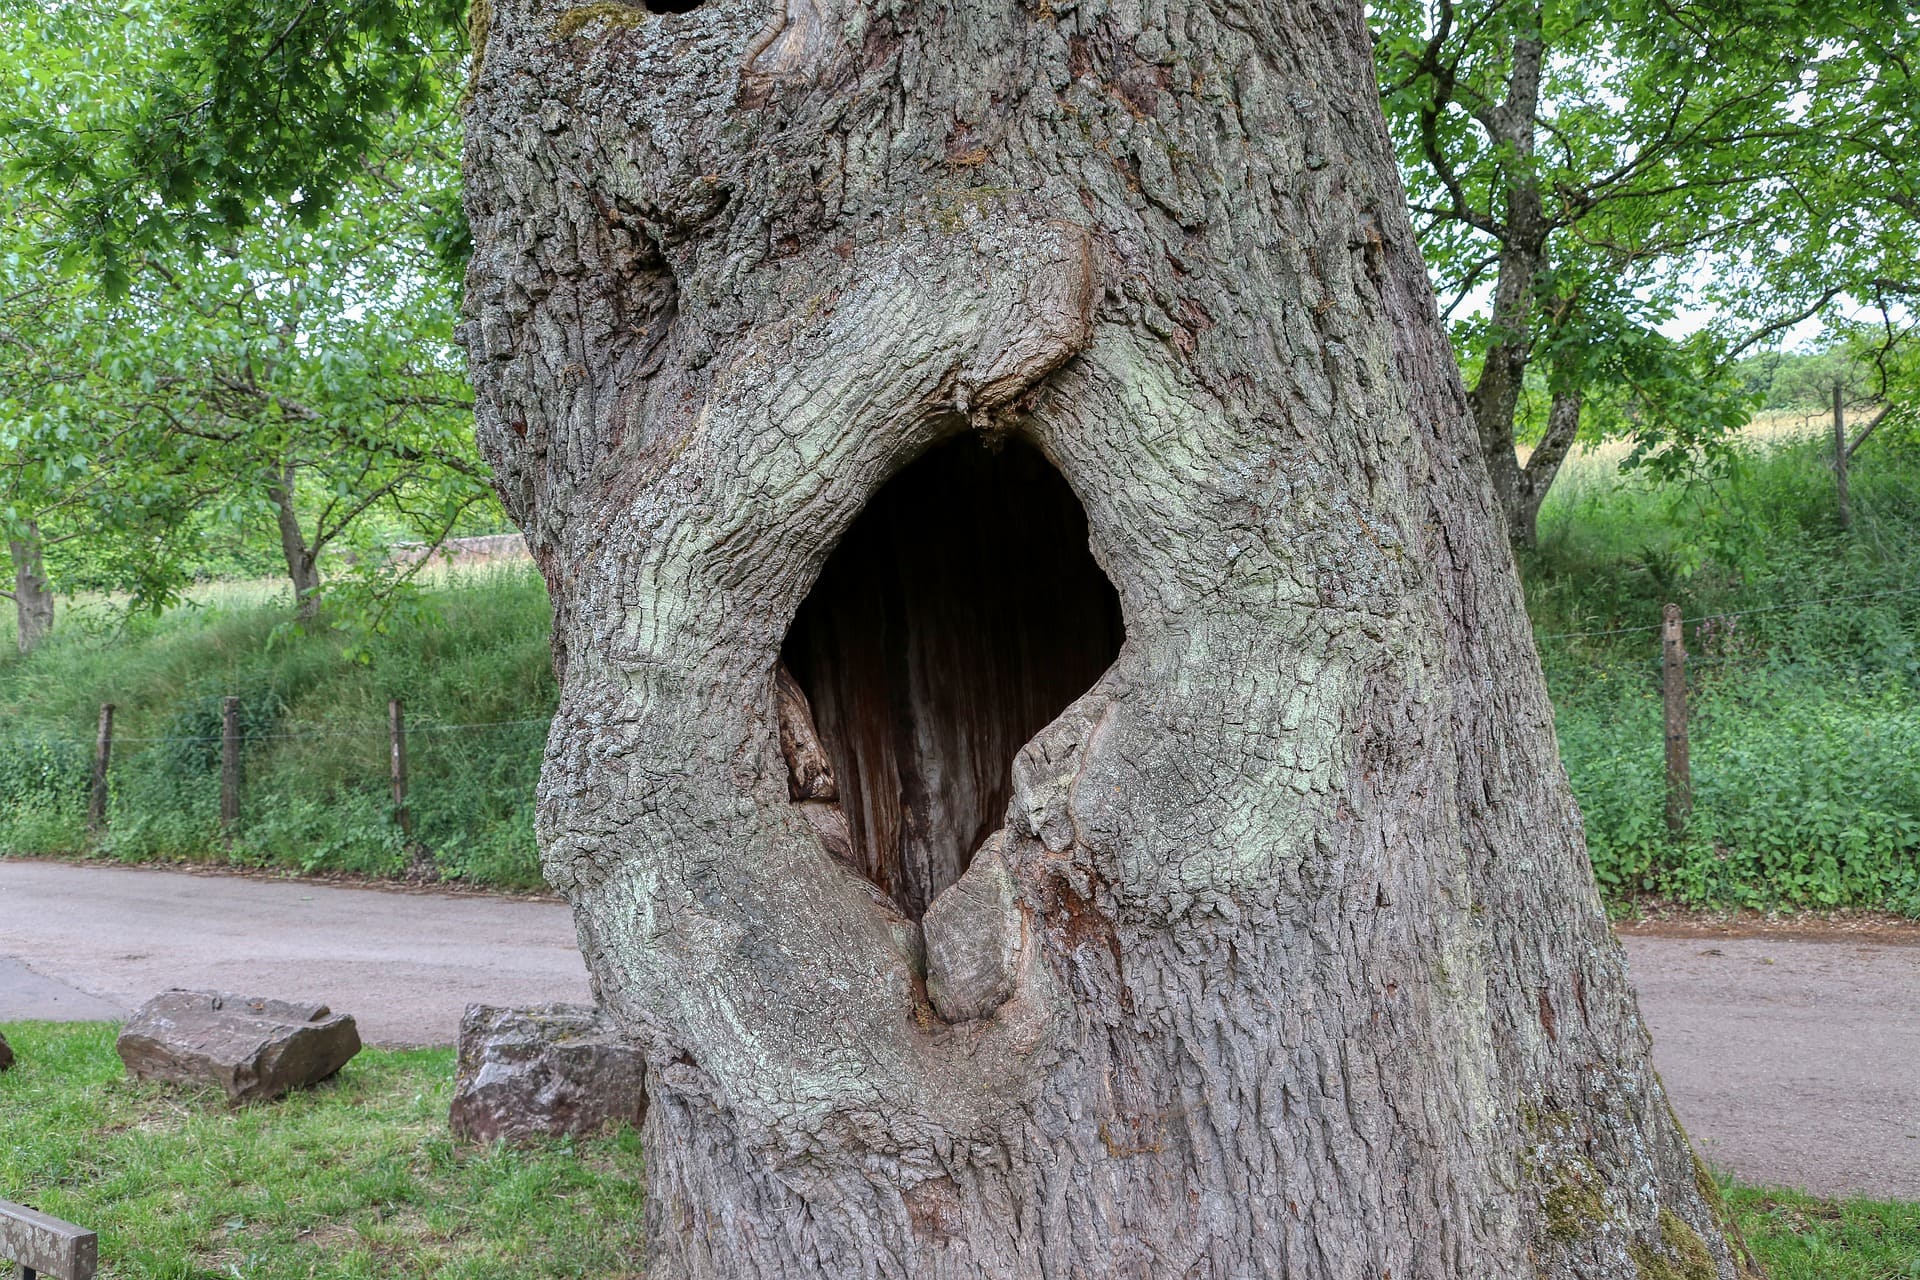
1763 766
1731 614
430 798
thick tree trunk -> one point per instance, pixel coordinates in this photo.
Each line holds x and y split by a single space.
32 593
1543 464
303 562
1283 956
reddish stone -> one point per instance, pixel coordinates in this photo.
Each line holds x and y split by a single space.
544 1070
253 1048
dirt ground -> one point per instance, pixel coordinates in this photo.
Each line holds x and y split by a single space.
1791 1049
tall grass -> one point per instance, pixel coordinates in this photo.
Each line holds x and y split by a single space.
316 750
1804 676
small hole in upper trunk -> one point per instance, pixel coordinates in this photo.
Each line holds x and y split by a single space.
672 6
960 614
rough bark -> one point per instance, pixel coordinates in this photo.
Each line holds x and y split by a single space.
32 593
303 562
1285 958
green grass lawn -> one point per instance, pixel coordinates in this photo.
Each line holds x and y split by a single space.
1802 1238
359 1178
356 1178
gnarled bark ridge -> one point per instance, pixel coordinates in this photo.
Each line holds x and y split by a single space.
1286 959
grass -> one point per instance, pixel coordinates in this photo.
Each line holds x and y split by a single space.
359 1178
1800 1237
1805 716
316 755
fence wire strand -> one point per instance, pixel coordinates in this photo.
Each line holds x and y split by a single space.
1734 613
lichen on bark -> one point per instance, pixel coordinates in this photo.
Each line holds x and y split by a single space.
613 13
1288 927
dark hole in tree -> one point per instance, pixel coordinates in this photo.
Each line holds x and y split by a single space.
672 6
960 614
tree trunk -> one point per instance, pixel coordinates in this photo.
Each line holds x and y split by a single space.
1841 456
1543 464
1523 256
1281 955
303 563
32 593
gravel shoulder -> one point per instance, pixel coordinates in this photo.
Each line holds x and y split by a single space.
1793 1056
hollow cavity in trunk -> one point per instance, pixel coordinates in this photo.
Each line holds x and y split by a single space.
961 612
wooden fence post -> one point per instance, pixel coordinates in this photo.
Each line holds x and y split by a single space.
102 750
397 743
1840 458
1673 654
229 762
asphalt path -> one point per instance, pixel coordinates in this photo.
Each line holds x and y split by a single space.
1792 1062
95 942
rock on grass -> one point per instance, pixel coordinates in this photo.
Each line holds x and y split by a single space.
546 1070
251 1047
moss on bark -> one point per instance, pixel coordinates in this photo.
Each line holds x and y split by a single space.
612 12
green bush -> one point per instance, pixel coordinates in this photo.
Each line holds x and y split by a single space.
1805 716
1803 796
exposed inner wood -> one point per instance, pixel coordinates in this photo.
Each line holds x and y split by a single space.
960 614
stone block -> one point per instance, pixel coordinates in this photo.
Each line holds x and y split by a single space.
545 1070
251 1047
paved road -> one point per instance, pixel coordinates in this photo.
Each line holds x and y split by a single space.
93 942
1792 1063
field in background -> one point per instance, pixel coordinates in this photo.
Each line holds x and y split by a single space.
102 617
1805 686
1600 463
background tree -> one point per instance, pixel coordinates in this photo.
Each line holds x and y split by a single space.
308 376
1547 145
205 114
78 492
246 360
29 471
1273 952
